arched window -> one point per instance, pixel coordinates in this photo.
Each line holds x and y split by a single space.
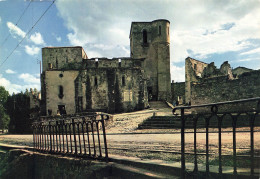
96 82
123 80
61 92
57 64
160 30
119 62
144 36
96 62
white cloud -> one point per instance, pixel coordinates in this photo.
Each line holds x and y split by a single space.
178 73
32 50
250 52
58 39
12 88
9 71
37 38
15 31
28 78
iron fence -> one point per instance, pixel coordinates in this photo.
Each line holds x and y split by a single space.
220 119
83 136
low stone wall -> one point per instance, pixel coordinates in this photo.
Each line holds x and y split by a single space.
24 164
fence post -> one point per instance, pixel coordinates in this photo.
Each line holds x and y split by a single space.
75 137
50 135
104 136
182 144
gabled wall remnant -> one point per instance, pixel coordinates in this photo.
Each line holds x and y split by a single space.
204 83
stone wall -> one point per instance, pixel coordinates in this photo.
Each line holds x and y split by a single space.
178 92
115 89
59 57
222 88
193 72
100 88
24 164
54 80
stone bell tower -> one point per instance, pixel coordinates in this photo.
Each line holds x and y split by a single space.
151 41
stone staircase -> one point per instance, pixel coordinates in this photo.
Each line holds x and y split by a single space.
172 122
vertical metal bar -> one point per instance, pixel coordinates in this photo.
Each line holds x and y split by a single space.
47 135
53 137
252 119
104 136
71 149
34 145
50 136
59 126
62 133
45 144
100 152
67 141
75 137
195 146
57 142
89 149
33 136
93 137
182 144
40 135
207 146
234 123
219 146
83 134
79 138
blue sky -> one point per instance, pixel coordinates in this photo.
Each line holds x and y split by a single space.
207 30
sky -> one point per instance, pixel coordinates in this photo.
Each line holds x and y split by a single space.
207 30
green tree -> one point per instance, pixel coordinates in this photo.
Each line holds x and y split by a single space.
4 118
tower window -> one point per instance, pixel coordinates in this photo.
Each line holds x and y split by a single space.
96 62
195 66
119 62
96 82
123 80
144 36
61 92
168 30
57 64
160 30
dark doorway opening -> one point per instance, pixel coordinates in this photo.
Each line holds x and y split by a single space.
62 109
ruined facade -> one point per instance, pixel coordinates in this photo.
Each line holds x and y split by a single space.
72 81
204 83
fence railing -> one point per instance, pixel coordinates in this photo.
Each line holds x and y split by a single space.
220 118
83 136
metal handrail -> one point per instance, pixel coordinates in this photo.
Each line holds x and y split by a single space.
214 112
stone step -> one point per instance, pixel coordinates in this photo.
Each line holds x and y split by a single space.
158 104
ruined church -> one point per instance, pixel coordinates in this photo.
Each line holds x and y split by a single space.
73 83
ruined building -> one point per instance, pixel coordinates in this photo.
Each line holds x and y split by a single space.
204 83
72 82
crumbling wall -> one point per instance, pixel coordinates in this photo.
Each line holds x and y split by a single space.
115 89
222 88
178 92
62 57
193 72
